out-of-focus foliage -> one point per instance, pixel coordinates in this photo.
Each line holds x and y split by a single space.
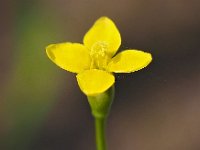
32 87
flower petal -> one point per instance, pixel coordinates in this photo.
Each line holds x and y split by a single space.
129 61
72 57
105 33
93 82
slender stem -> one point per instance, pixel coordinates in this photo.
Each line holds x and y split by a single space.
100 133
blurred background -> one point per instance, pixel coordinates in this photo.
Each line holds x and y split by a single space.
157 108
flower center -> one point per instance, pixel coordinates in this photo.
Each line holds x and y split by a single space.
99 55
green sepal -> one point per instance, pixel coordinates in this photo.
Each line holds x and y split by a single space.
100 104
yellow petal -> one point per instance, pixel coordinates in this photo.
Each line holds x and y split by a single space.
93 82
129 61
72 57
103 34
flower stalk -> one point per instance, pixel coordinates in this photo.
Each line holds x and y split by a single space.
100 106
100 133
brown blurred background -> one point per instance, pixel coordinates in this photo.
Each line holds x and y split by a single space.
157 108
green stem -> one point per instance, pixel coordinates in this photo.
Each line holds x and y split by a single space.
100 105
100 133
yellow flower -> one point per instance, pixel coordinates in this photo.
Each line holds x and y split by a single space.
95 60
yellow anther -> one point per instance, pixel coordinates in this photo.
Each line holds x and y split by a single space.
99 55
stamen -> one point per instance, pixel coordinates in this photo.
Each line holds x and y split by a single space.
99 55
